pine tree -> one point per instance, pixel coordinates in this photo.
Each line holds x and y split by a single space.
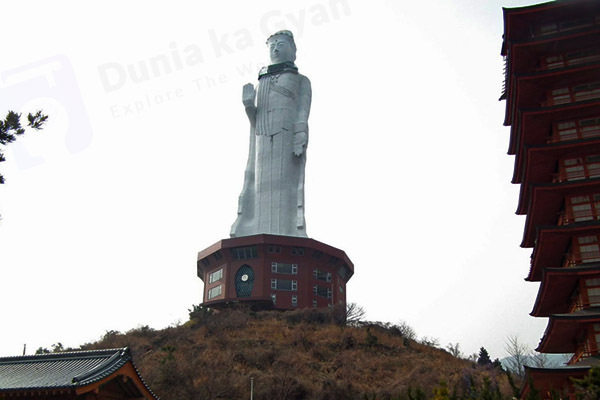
11 127
484 357
589 386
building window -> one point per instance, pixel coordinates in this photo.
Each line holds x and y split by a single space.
298 251
322 291
275 249
244 253
341 289
215 276
314 303
282 268
218 255
215 292
317 254
274 298
284 284
322 275
294 300
205 262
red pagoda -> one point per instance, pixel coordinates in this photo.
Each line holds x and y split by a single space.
552 93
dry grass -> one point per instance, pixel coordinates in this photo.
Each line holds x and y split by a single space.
214 356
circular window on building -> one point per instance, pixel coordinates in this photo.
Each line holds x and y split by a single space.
244 281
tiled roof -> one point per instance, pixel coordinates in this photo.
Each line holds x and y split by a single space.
67 370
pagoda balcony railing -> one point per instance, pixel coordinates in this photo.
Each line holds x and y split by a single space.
586 173
571 217
574 134
579 304
570 59
575 260
583 351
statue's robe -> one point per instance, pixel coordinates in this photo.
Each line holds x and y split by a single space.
272 199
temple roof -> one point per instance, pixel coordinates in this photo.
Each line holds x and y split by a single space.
563 330
66 370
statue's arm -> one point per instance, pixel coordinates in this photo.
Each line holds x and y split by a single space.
301 125
249 100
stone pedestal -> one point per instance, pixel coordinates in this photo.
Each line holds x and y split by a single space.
274 272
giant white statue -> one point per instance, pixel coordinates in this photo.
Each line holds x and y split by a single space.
272 198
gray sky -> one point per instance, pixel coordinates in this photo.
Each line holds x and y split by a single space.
104 210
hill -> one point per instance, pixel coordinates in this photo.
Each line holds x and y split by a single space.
298 355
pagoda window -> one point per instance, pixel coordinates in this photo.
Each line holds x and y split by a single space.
570 94
592 294
572 169
282 268
596 337
573 130
570 58
551 28
581 208
585 249
215 276
215 292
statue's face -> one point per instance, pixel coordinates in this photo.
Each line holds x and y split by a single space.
281 49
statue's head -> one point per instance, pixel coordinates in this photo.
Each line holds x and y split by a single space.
282 47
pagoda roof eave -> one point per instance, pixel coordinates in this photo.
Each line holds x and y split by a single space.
528 117
557 287
546 202
511 16
564 330
552 244
539 161
75 372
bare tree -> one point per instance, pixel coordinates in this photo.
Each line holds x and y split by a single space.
540 360
518 354
406 331
454 349
354 314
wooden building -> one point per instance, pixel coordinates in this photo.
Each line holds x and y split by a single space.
552 93
274 272
77 375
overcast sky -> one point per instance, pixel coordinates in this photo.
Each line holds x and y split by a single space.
104 211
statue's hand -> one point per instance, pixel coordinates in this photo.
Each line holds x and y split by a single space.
248 95
300 142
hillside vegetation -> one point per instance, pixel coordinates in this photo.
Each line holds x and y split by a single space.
299 355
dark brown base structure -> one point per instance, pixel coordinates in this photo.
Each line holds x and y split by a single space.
274 272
